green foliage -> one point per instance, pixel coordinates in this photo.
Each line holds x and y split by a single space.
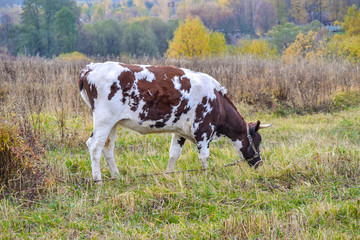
39 34
101 38
193 39
145 36
345 99
282 36
139 41
65 30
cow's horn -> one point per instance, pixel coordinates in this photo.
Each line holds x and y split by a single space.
264 125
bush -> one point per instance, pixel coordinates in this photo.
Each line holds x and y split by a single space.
345 99
73 57
21 168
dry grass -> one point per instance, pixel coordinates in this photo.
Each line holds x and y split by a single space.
37 84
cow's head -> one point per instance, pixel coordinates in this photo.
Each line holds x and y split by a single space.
251 144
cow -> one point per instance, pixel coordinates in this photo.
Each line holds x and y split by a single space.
157 99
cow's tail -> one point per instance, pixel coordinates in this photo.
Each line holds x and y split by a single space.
83 84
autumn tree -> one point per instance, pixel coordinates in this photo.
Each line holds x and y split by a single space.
265 17
257 47
214 16
309 46
348 44
193 39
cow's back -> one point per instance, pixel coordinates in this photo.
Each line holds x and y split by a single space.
152 97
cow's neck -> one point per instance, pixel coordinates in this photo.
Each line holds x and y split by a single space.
232 124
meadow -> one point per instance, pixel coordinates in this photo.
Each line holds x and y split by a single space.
307 188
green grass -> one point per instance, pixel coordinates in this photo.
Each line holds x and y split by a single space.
307 188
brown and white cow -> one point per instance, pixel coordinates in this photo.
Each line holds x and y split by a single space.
151 99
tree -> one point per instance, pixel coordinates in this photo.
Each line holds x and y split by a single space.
282 9
65 30
285 34
265 17
351 22
37 35
257 47
101 38
244 14
309 46
298 12
139 41
193 39
348 44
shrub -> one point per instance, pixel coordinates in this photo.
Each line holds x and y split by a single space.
308 46
257 47
21 168
345 99
73 57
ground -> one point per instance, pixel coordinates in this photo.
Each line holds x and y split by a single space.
307 188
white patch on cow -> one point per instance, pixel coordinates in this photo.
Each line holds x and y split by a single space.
204 82
145 74
176 82
238 146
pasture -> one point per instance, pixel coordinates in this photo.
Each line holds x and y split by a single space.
308 186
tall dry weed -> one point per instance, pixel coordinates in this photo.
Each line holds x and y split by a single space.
31 86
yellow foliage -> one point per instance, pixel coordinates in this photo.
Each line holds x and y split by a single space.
352 21
193 39
217 44
73 57
346 46
306 46
257 47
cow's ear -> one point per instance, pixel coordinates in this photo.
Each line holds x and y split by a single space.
257 126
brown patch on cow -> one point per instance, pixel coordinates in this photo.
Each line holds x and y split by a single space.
181 141
132 68
90 89
107 143
159 95
206 121
165 73
183 108
113 89
126 81
185 84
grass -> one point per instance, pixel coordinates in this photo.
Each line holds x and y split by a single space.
308 188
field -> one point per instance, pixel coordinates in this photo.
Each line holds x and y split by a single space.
308 186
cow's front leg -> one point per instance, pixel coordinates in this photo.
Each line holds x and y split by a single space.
96 144
203 149
177 142
108 153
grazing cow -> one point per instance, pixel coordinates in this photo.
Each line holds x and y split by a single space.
151 99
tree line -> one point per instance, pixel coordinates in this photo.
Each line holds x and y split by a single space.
145 27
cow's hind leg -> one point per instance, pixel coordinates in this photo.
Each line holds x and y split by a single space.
177 143
96 144
108 153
